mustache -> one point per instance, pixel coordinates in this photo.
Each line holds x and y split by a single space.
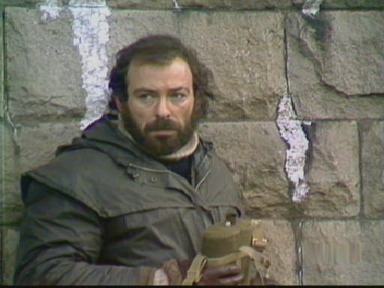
162 124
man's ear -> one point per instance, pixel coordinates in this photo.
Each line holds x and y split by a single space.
119 105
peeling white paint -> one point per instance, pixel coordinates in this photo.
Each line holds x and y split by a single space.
311 7
91 35
50 9
176 5
291 131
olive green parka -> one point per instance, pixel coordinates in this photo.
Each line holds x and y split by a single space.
104 213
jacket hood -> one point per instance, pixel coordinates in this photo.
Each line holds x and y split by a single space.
104 135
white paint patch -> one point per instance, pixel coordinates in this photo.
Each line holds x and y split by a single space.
91 35
291 131
176 5
311 7
50 9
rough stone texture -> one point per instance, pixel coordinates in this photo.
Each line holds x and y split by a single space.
255 154
2 99
30 147
201 4
243 49
10 237
246 53
169 4
28 3
43 66
281 251
333 174
330 68
343 253
365 4
372 166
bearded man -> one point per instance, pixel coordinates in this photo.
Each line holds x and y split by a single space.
127 202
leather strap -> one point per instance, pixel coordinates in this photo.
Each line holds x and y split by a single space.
194 271
260 261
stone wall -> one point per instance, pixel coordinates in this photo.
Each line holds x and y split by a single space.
300 121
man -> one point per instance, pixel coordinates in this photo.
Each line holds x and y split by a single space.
128 201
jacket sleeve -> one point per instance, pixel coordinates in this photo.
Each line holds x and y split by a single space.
60 242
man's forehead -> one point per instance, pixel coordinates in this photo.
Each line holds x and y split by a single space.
137 64
156 63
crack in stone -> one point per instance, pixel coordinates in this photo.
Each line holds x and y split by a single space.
291 131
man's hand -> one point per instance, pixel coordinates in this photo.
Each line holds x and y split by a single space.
230 274
222 275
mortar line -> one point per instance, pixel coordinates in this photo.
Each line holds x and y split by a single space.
360 157
298 238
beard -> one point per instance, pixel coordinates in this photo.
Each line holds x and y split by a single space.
159 146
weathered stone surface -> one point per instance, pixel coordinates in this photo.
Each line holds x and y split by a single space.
243 49
333 176
366 4
255 154
330 68
2 99
37 144
44 67
343 253
22 3
10 236
372 162
200 4
138 4
281 251
30 147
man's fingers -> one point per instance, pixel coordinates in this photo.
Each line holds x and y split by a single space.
232 280
223 275
222 271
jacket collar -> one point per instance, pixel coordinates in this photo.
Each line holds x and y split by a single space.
104 135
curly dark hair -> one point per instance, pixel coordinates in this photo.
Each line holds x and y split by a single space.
162 49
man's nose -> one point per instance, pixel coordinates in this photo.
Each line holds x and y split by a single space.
162 109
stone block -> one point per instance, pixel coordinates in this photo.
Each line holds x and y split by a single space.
343 252
333 73
333 170
200 4
372 163
10 239
140 5
43 66
281 251
255 154
30 147
245 51
345 4
2 95
22 3
37 144
235 4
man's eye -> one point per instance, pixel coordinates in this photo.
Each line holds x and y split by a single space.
178 96
146 97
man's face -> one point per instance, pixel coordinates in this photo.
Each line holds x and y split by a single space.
159 107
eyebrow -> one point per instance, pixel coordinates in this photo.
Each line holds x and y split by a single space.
177 89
